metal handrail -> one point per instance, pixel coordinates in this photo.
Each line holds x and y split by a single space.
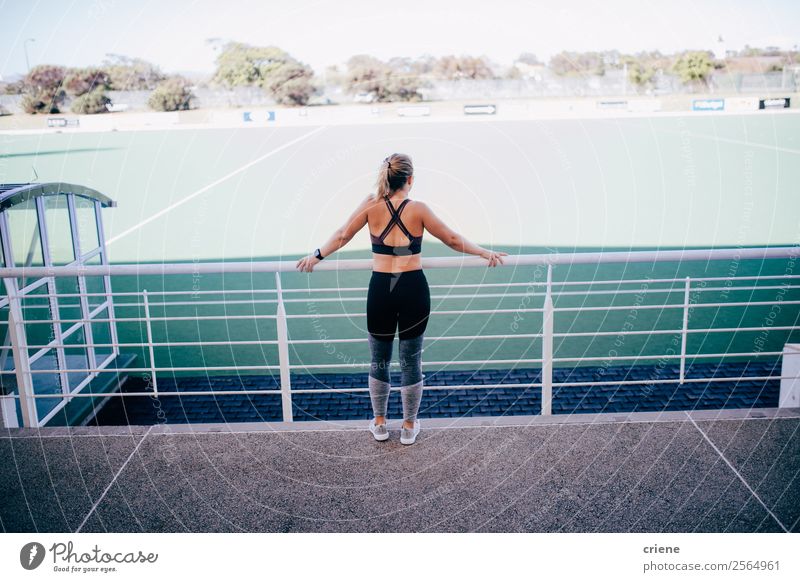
198 268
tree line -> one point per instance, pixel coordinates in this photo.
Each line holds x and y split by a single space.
46 88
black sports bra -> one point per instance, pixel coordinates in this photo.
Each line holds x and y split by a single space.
414 247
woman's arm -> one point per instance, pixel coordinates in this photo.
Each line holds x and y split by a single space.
340 237
455 241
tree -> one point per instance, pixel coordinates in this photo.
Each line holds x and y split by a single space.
464 67
88 88
43 90
288 80
528 59
130 74
91 102
398 81
13 88
640 74
173 94
290 83
81 81
333 76
568 63
239 64
643 66
694 66
365 74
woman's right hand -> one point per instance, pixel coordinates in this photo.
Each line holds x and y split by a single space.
494 257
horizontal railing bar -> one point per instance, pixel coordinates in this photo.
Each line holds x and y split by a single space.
674 306
666 356
428 363
246 342
250 267
478 285
673 381
151 394
441 363
745 288
297 391
431 285
617 292
315 300
433 296
445 312
159 344
139 293
675 280
427 338
226 302
344 340
445 286
738 329
173 318
148 369
676 331
745 303
431 363
671 290
433 387
620 307
615 333
293 316
460 296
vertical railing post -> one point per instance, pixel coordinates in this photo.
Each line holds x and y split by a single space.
108 298
684 328
22 365
283 352
150 342
88 332
8 412
547 346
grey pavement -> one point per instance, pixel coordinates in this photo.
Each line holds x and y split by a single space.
726 471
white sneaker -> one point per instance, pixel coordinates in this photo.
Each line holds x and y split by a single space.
380 432
409 435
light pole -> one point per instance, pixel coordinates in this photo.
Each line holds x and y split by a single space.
25 48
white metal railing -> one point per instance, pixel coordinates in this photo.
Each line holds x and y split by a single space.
280 297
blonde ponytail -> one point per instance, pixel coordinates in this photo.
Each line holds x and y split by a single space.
395 171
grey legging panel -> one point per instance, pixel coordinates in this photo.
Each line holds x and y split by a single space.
410 375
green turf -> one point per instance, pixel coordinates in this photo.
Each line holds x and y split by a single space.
661 182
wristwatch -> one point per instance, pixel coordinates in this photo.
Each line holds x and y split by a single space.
318 254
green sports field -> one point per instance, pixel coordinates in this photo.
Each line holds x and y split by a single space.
566 185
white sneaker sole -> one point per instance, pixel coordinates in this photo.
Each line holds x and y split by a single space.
410 441
379 437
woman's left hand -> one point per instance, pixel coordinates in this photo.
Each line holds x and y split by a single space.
306 264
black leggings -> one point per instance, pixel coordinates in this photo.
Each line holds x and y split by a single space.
398 300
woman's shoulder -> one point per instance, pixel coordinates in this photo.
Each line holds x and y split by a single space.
418 205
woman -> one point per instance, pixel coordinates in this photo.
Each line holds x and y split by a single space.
398 298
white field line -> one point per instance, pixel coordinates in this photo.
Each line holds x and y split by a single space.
117 474
214 184
765 146
739 475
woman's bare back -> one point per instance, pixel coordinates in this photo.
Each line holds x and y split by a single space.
378 217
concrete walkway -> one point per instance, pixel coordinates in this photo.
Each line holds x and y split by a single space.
736 471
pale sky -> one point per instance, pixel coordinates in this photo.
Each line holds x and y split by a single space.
173 33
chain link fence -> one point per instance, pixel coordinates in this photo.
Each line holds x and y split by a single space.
545 85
